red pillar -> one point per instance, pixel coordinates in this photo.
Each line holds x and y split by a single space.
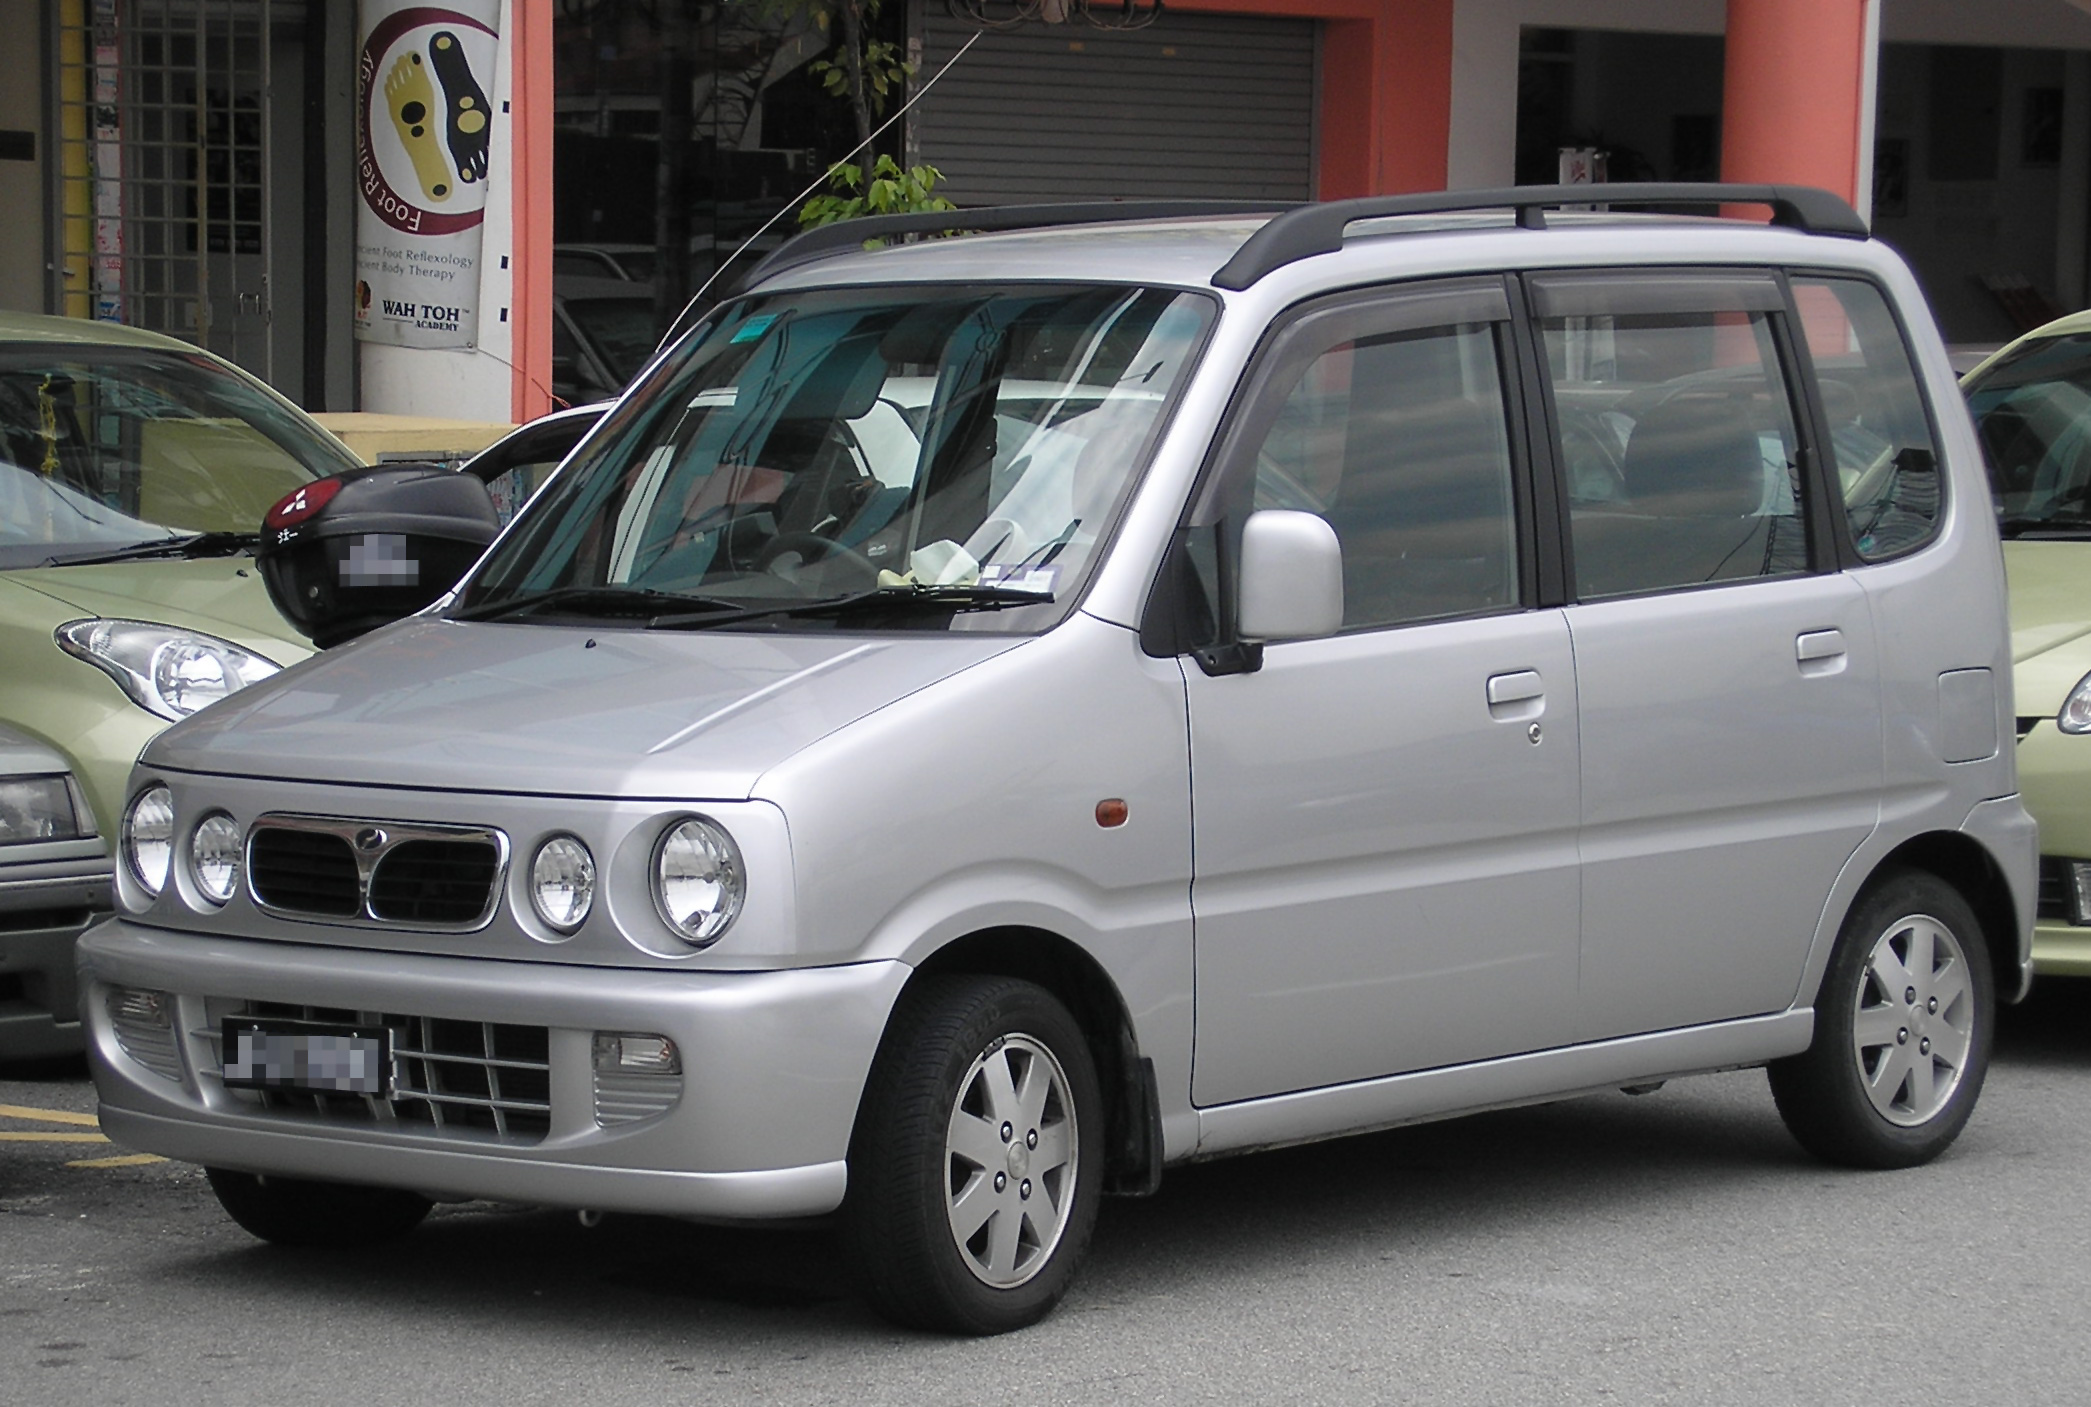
1798 88
529 41
1344 145
1413 82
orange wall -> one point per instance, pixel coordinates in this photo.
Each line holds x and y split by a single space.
1386 89
530 49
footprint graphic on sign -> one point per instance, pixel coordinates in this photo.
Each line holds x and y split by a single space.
411 98
467 130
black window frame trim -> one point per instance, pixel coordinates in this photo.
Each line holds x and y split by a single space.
1846 550
1803 403
1250 410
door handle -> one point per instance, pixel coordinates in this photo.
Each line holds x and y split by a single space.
1820 651
1516 696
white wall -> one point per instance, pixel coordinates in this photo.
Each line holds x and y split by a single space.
1485 48
475 383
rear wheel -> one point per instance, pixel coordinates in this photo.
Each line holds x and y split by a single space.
294 1212
1902 1030
974 1166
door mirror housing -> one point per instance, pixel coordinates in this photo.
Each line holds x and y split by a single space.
1291 578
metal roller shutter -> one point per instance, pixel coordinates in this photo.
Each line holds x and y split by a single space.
1193 105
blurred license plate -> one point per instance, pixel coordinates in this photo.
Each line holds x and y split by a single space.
306 1055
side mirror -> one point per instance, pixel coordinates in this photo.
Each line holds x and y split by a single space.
1291 579
345 555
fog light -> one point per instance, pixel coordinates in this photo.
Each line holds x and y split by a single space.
143 1025
140 1008
636 1054
2080 892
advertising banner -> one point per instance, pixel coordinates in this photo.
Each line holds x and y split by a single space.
423 123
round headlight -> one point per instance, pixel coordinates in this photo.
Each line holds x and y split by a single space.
698 880
214 857
148 837
2075 715
562 882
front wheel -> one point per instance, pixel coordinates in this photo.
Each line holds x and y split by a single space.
1902 1031
974 1166
293 1212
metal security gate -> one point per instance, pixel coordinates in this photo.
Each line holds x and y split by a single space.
1192 105
164 156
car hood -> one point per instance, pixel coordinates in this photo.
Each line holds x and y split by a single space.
2050 621
221 596
552 710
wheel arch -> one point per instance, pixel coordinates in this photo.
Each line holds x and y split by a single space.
1133 1131
1967 865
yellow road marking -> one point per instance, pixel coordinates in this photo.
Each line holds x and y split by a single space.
128 1160
48 1116
12 1137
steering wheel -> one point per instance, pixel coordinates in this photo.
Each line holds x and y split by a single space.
811 547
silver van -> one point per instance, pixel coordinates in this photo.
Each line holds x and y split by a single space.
988 718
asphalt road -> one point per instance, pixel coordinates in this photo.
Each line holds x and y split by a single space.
1675 1247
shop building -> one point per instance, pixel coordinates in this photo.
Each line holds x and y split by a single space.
193 165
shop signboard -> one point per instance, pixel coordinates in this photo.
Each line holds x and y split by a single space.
423 126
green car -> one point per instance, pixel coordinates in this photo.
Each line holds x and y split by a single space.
2032 406
134 473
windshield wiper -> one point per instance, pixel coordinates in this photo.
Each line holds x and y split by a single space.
211 544
948 598
608 601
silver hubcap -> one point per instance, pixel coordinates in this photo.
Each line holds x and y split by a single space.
1915 1020
1009 1158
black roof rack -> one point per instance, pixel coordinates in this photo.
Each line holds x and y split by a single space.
825 241
1308 230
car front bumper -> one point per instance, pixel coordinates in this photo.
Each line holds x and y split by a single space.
759 1125
2061 949
2054 774
43 908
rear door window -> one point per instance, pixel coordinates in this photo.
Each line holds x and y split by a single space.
1676 429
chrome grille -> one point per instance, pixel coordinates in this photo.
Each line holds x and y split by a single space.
433 881
304 871
624 1097
378 873
480 1080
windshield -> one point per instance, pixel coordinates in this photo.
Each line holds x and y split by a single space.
103 449
2033 410
963 447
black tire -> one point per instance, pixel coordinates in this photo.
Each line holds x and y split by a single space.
1864 1105
906 1174
292 1212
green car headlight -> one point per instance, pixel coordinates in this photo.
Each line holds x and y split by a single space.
2075 714
167 671
37 808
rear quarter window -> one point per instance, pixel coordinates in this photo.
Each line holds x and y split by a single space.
1880 440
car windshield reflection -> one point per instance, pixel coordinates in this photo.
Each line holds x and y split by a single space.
808 450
